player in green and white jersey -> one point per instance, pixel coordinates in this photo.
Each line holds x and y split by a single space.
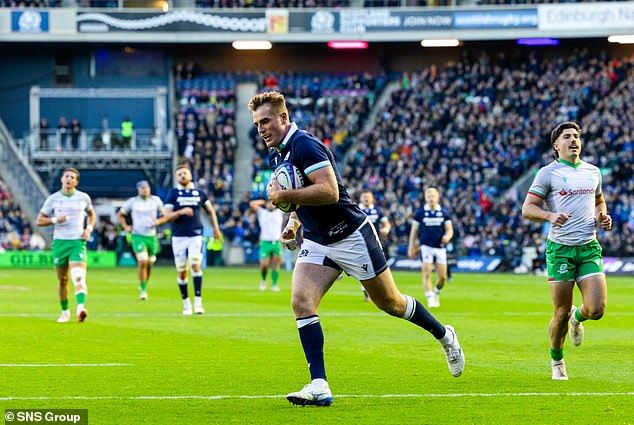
67 210
575 206
144 209
271 221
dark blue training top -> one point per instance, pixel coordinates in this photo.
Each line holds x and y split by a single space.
374 214
325 224
179 198
431 225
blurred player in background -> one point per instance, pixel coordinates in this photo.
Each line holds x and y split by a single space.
271 221
67 210
574 207
380 222
431 231
143 209
337 237
186 201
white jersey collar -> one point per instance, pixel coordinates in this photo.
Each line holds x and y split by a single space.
291 131
427 207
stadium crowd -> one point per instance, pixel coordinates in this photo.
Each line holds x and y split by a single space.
15 230
205 128
473 128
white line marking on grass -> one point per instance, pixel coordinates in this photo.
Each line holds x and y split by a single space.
325 314
65 364
256 397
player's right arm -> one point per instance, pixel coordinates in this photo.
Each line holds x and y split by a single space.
532 210
46 216
170 215
121 214
412 247
256 204
289 233
44 220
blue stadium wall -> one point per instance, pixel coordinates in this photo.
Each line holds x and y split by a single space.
25 65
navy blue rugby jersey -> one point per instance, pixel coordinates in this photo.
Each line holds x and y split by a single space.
324 224
431 225
374 214
179 198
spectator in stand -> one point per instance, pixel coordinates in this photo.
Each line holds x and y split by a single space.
75 133
127 131
44 129
62 131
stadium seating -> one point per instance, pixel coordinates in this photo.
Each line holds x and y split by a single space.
15 230
473 128
332 106
205 129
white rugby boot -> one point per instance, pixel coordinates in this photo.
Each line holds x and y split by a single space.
559 370
454 354
314 394
576 328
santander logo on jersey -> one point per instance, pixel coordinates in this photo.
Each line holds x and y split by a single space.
573 192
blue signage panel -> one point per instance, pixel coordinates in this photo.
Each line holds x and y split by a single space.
523 18
29 21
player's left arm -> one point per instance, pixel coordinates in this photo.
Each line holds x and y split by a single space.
601 213
413 247
214 218
385 226
92 220
446 238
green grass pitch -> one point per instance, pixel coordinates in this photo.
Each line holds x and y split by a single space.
142 362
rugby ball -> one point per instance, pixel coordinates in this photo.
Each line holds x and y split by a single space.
289 177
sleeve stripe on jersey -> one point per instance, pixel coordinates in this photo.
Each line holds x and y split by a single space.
316 167
168 206
539 195
415 222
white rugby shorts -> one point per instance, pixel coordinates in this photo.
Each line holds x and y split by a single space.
360 255
187 247
428 253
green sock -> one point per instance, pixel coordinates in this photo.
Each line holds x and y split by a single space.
557 355
80 297
274 275
578 316
64 304
143 285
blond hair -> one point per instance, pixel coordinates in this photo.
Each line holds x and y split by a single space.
273 98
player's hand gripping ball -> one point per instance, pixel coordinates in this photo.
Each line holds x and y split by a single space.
289 177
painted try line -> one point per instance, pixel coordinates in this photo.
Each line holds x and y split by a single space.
379 396
325 314
65 364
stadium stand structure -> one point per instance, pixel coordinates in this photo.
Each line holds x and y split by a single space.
472 128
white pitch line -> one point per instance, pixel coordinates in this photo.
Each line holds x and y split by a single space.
65 364
324 314
256 397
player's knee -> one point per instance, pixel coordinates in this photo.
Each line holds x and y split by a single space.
561 314
142 256
196 260
394 306
595 312
302 305
181 264
78 276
